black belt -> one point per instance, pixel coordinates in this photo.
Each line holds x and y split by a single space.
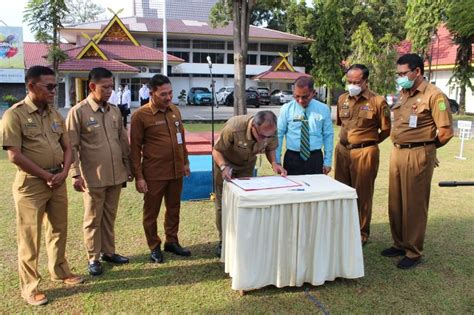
359 145
54 170
412 145
298 152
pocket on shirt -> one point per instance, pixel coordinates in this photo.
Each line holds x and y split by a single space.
422 108
243 151
315 125
364 118
32 132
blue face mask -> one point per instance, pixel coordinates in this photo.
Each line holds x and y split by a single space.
405 83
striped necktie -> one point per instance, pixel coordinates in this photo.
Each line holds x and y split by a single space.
304 145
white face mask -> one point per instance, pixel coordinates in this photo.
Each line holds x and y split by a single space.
353 89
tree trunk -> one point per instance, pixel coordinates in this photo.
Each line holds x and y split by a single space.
329 96
241 17
56 67
462 100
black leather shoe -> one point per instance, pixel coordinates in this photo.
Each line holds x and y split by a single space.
177 249
95 268
156 256
407 263
392 252
219 249
115 258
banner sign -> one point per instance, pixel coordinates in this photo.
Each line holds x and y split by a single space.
12 57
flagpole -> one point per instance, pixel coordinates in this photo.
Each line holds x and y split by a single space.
165 42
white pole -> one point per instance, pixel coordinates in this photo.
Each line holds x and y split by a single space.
463 134
67 87
165 42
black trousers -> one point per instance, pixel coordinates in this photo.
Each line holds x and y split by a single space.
144 101
125 111
295 165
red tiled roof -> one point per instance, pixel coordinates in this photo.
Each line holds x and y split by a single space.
35 53
128 51
442 48
155 25
87 64
279 76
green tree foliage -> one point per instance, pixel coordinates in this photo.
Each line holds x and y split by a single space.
82 11
383 17
328 47
240 12
379 57
422 20
460 23
44 17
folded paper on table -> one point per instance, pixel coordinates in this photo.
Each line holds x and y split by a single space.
264 182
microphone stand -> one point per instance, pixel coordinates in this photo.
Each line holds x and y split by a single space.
212 126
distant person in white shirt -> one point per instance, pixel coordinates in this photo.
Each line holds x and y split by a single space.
124 102
113 99
144 94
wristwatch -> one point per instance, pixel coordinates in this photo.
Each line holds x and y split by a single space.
222 167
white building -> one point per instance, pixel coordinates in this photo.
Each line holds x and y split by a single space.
193 41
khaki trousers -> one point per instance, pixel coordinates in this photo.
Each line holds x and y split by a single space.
100 211
358 168
219 183
171 191
37 204
411 171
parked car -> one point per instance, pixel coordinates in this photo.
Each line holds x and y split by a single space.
199 96
251 98
264 96
281 97
221 95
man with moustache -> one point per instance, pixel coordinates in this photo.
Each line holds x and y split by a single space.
159 161
34 137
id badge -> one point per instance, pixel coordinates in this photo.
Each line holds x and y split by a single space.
413 121
179 138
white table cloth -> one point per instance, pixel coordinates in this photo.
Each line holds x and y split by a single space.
286 237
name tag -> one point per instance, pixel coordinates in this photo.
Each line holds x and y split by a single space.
179 138
160 122
31 125
92 123
413 121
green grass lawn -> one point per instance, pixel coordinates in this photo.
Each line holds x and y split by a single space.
443 283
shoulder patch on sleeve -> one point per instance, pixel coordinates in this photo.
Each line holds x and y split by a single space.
386 111
441 104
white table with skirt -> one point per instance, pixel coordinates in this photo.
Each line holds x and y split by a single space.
285 237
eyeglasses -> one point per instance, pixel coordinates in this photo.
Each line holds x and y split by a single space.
263 136
403 74
49 87
302 97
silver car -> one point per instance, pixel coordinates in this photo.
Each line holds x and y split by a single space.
281 97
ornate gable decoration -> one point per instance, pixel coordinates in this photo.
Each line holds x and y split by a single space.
284 65
91 50
116 31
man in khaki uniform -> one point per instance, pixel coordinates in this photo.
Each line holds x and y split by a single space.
159 161
422 123
100 149
364 118
33 134
235 153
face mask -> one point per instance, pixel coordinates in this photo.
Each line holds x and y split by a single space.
353 89
405 83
